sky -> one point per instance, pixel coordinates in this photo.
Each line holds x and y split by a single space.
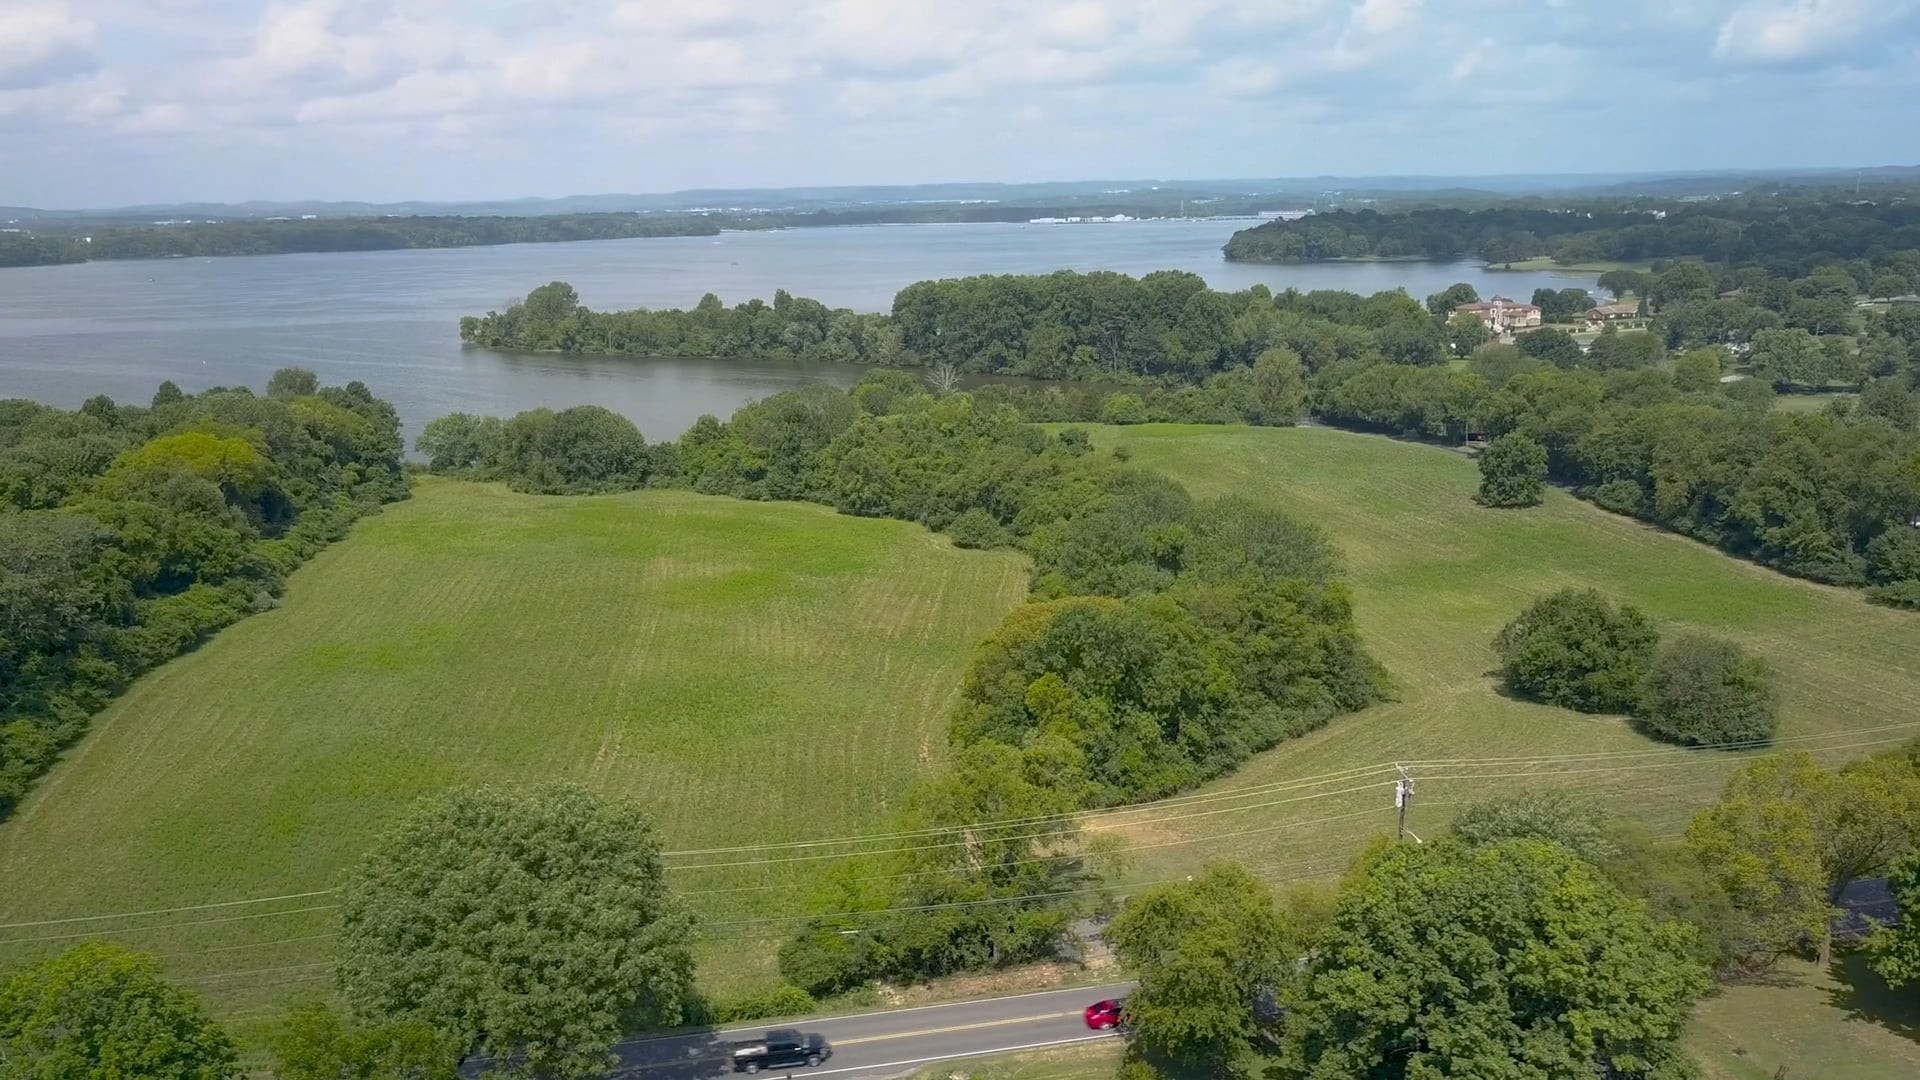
115 102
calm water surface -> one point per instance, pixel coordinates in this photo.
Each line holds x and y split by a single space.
390 319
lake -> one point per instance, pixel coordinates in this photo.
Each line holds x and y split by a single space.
390 318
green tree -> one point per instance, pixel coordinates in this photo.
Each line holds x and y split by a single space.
458 441
1498 363
1706 691
99 1012
1511 960
1894 951
1697 371
317 1043
290 382
1894 555
1123 408
1513 471
532 926
1673 885
1789 358
1443 302
1622 283
1553 345
1867 815
1278 387
1574 822
552 301
1760 844
1890 283
1467 332
1573 648
1680 283
1203 951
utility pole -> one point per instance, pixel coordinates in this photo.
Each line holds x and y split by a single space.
1402 798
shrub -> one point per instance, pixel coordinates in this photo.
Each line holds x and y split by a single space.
1575 649
822 961
1894 556
781 1001
1513 472
1573 822
1703 691
976 529
1123 409
1901 594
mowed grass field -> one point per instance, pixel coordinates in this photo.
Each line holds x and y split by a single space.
1434 577
751 672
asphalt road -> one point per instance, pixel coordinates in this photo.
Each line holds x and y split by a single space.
882 1044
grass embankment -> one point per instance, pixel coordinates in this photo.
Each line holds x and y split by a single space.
1435 576
1589 268
1088 1061
751 671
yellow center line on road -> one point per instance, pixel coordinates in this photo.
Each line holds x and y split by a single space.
838 1043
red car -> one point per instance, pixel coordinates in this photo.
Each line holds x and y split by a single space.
1104 1015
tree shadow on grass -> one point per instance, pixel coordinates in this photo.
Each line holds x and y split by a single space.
1864 995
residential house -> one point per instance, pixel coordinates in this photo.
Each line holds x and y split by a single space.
1598 317
1503 316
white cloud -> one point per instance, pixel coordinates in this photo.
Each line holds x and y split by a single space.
641 93
1384 16
42 42
682 18
1786 32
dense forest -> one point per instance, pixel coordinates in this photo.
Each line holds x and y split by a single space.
1787 237
1166 640
71 244
1165 327
129 534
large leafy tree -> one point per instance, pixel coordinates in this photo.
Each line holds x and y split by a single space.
1513 960
1575 649
1761 845
1706 691
532 926
1788 837
1204 950
99 1012
1513 471
1894 950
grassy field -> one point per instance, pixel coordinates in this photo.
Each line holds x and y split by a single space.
1434 577
1803 1025
1584 269
1811 403
751 671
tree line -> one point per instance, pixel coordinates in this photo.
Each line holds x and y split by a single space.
129 534
1831 496
259 236
1166 640
1787 235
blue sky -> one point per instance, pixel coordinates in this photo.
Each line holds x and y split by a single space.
106 102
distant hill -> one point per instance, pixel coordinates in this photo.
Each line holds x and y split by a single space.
853 197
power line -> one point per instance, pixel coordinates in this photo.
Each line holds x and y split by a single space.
165 911
1682 756
1032 836
1173 802
167 926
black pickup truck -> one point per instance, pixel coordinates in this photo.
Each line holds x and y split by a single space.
781 1049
